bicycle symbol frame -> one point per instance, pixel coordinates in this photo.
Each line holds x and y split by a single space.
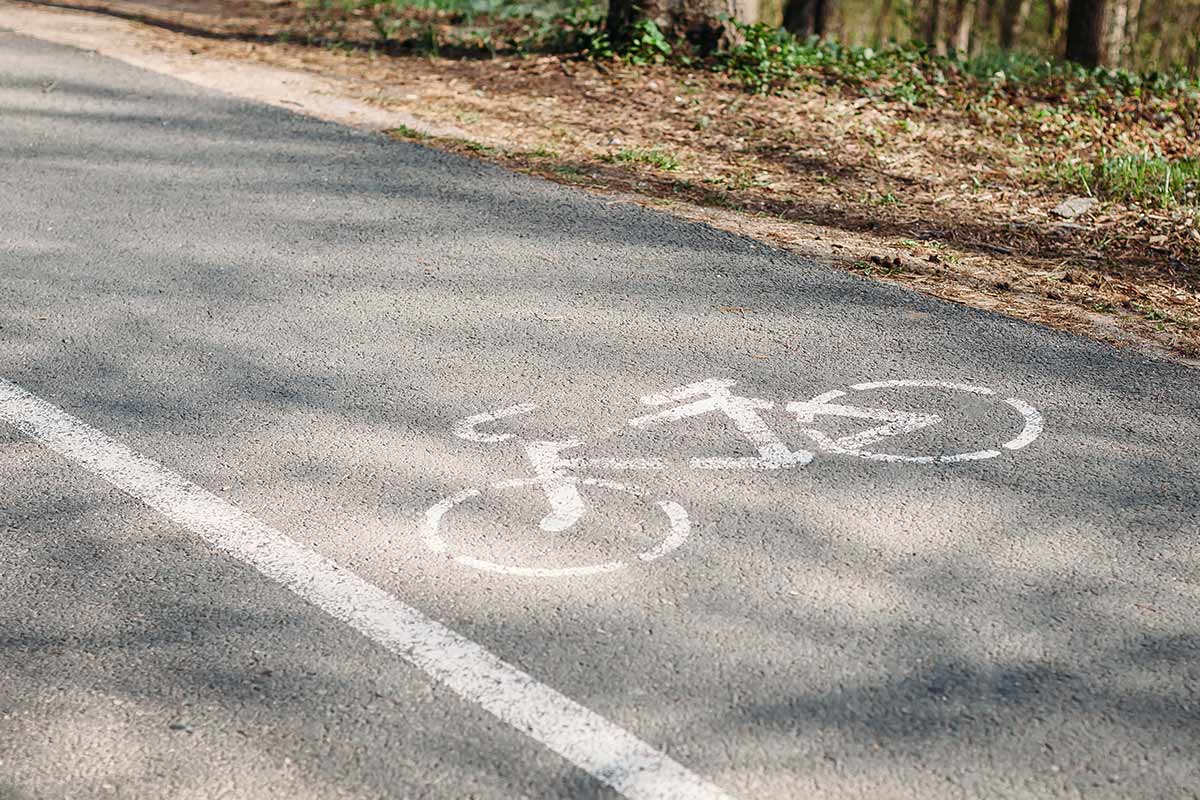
557 475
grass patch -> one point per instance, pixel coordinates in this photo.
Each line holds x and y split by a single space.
771 60
1149 180
456 27
877 266
405 132
659 159
482 149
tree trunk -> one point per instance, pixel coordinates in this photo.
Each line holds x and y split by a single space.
961 41
883 22
1056 24
1154 58
1114 32
987 10
1012 21
1193 59
696 21
770 13
1085 32
935 26
983 23
806 18
1133 30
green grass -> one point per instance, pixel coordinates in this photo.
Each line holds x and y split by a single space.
405 132
655 157
482 149
468 10
480 26
770 60
1149 180
882 267
1022 67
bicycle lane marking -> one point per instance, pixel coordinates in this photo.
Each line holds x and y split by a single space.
606 751
556 476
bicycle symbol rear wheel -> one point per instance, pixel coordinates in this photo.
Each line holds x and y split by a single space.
678 526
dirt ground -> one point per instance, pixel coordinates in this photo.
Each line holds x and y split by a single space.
936 200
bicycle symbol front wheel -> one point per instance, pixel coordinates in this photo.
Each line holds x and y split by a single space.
894 423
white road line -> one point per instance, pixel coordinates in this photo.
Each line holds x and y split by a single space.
607 752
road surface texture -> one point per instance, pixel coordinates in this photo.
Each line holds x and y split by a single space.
222 320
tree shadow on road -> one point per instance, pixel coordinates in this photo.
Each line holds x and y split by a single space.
303 312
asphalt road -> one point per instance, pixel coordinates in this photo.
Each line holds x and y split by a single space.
297 317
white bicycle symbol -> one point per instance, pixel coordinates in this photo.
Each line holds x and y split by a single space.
557 476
